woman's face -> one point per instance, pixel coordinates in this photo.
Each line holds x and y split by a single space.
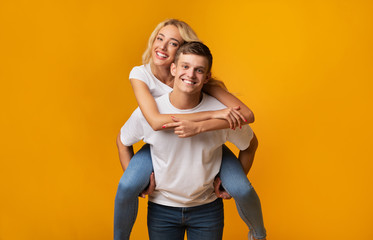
165 45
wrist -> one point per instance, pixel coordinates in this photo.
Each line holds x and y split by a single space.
214 115
200 127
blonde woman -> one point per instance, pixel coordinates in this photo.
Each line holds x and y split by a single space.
154 79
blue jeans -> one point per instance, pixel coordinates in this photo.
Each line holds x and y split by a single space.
136 178
235 182
133 181
204 222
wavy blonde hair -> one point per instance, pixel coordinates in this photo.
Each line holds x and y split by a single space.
186 33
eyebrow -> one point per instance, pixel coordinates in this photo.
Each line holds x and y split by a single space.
203 67
171 38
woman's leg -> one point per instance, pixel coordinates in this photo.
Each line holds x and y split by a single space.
235 182
134 180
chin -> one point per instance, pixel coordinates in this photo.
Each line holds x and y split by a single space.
159 62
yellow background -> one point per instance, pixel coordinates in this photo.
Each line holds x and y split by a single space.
304 67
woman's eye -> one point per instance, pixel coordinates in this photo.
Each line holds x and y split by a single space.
159 39
174 44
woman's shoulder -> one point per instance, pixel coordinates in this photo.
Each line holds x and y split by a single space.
139 72
140 68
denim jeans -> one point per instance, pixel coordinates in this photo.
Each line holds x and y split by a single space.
133 181
136 178
204 222
235 182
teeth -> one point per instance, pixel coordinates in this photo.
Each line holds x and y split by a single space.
189 82
161 55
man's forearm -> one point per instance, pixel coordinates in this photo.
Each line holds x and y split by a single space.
125 153
246 156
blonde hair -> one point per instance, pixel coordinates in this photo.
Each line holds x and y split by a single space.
186 33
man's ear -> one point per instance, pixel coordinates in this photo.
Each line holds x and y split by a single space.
173 69
208 77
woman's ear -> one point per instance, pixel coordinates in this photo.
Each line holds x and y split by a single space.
173 69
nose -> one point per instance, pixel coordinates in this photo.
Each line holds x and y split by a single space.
163 45
191 73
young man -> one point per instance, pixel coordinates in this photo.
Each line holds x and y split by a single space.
185 168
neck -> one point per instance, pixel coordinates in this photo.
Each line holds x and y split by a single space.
182 100
162 73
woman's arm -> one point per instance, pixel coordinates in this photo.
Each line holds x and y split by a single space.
185 128
157 121
229 100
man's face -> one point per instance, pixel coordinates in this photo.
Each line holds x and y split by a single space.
190 73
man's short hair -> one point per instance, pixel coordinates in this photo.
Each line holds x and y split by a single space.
196 48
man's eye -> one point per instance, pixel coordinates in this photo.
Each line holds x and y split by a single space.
200 71
185 67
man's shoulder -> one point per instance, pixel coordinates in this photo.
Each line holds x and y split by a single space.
162 98
137 113
211 102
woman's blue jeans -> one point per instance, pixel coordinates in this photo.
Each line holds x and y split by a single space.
136 178
203 222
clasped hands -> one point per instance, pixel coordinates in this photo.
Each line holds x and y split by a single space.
187 128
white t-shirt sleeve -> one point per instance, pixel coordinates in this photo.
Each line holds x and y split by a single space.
241 137
133 130
139 73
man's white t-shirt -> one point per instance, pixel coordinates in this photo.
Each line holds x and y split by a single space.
184 168
144 73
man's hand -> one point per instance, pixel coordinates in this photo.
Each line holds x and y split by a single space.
150 189
219 190
183 128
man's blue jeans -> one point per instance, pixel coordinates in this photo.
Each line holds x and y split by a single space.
136 178
204 222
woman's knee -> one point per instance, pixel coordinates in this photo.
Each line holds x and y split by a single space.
128 190
242 191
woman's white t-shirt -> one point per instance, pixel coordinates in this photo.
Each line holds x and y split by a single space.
144 73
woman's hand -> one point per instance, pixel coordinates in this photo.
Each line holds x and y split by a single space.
232 115
184 128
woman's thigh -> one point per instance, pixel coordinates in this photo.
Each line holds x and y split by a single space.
136 177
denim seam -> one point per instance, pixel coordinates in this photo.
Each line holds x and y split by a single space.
240 210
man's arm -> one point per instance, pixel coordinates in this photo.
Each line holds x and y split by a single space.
125 153
246 156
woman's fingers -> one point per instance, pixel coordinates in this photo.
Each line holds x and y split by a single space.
171 125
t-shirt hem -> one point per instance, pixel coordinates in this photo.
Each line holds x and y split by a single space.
195 204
